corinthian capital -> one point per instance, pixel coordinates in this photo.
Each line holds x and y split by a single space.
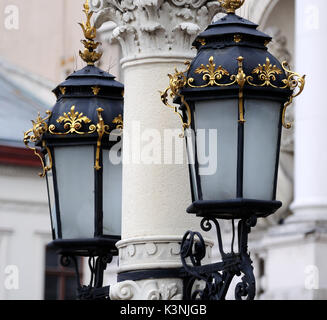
155 28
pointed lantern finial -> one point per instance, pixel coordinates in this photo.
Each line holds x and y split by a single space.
230 6
89 55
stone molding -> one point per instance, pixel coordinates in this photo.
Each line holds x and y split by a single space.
145 253
163 289
24 206
148 28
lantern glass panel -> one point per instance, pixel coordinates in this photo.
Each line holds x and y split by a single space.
112 195
51 196
261 136
75 181
217 147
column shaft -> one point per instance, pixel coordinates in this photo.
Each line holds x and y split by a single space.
310 113
155 36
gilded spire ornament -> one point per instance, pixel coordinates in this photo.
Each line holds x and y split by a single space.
89 55
230 6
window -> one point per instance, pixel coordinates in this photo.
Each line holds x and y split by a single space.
60 282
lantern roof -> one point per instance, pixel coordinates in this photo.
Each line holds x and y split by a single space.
90 101
233 50
231 24
88 82
79 99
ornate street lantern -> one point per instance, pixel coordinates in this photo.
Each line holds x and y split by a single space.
232 100
84 184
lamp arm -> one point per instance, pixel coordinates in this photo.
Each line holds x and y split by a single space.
218 276
93 291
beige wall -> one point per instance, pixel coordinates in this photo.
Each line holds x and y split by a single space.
283 17
48 39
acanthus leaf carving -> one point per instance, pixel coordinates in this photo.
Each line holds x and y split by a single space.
167 289
155 27
194 4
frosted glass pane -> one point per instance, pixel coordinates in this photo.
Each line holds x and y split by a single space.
112 196
51 197
219 182
261 134
75 179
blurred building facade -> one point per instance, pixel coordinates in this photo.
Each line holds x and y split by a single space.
39 44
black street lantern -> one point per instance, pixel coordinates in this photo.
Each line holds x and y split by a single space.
84 184
237 90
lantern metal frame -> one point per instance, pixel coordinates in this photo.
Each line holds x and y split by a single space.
77 128
88 111
271 83
249 71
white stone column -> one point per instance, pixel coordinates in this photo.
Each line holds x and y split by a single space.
311 113
156 36
296 261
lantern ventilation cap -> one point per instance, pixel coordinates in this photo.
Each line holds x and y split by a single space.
230 6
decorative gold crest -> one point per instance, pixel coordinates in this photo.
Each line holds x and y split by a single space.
266 73
210 74
73 122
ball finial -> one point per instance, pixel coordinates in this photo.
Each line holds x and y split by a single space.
230 6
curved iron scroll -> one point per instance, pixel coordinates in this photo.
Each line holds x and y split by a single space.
216 278
93 291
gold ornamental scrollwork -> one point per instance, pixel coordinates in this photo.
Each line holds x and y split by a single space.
293 82
118 121
211 74
34 135
266 73
73 121
177 81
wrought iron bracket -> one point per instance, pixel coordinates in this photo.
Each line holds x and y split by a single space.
201 281
97 265
215 279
